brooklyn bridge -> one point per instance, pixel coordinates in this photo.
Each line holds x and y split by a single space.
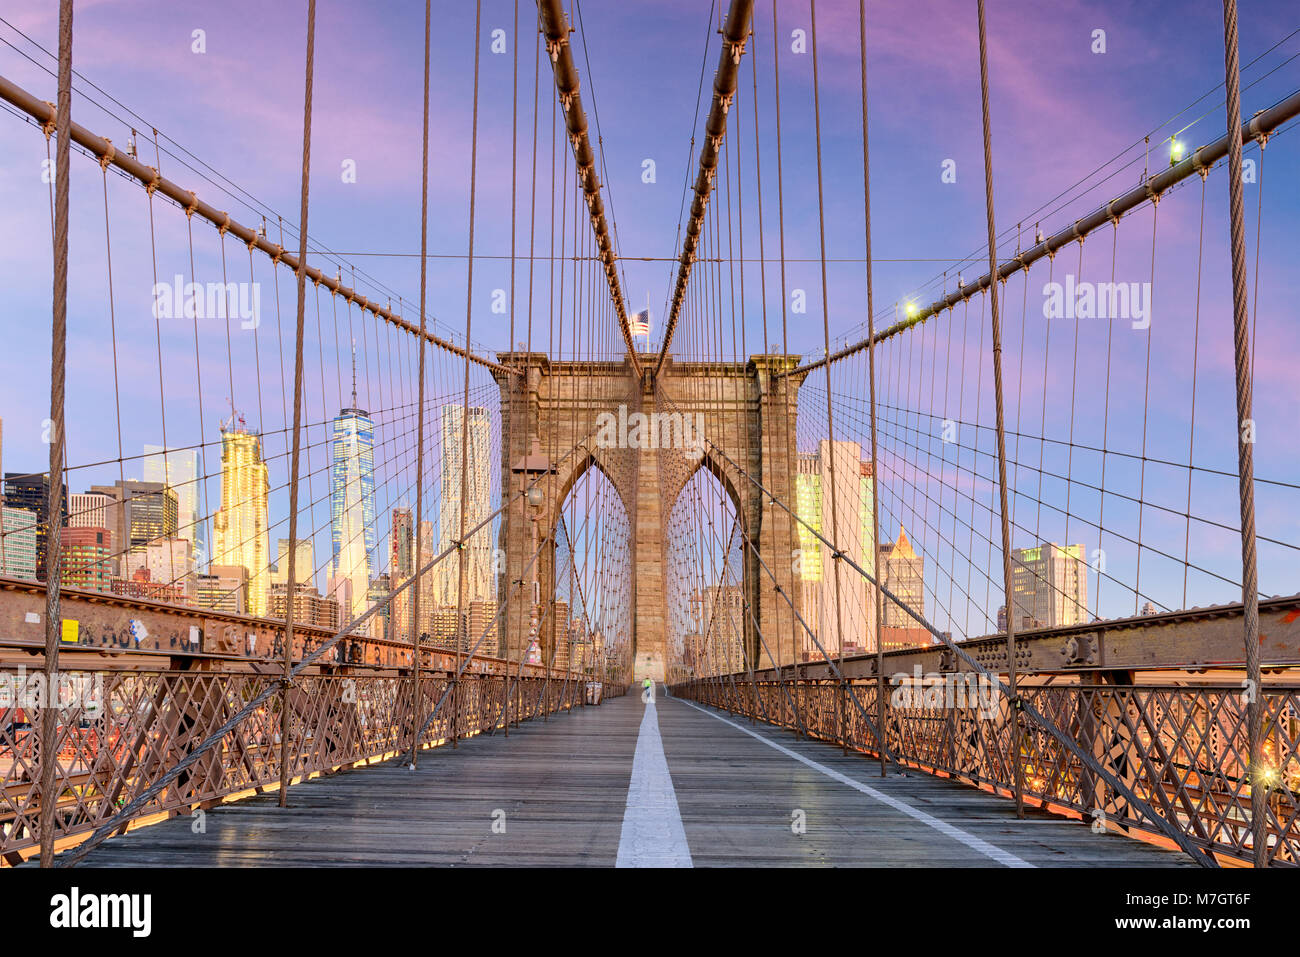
373 518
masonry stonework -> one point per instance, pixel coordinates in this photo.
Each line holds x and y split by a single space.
549 422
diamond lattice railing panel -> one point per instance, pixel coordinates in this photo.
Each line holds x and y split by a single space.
129 729
1182 751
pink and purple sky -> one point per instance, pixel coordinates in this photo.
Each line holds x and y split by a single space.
1059 113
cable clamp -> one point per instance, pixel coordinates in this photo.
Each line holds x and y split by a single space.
194 204
108 156
48 126
153 183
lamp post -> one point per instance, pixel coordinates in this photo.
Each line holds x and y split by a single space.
529 469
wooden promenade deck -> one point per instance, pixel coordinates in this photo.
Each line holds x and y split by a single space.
561 788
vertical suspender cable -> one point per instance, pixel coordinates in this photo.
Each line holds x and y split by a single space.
871 378
788 447
1245 437
58 368
528 349
829 467
503 645
416 636
464 418
1014 715
292 574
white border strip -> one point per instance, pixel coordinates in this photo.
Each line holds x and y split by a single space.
652 834
943 827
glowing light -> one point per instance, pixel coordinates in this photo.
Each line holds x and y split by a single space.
1176 151
912 310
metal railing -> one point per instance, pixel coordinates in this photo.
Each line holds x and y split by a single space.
120 731
1182 750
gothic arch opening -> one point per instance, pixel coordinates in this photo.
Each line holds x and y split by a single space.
709 620
585 626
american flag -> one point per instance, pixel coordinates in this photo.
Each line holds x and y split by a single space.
639 325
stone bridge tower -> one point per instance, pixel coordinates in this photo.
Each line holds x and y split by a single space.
550 425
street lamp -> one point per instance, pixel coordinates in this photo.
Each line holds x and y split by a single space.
530 468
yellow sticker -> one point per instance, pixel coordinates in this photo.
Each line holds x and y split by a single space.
71 629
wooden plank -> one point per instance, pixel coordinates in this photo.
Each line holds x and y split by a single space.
562 787
737 797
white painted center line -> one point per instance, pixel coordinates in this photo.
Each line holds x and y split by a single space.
652 835
956 833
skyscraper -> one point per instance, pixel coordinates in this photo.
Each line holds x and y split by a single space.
430 582
239 526
137 513
31 492
1049 586
847 523
170 561
17 543
309 607
402 561
457 454
90 510
182 471
352 499
224 588
401 567
903 573
304 569
381 621
84 558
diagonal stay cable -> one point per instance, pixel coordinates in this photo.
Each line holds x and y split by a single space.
1018 704
129 810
